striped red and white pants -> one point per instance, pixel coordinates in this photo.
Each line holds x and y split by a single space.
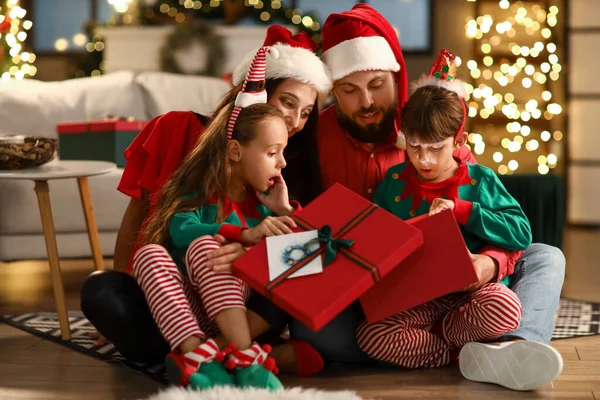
186 306
431 335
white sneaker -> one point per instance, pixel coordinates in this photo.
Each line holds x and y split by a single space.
515 365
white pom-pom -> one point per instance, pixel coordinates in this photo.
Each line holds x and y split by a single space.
457 61
401 141
245 99
274 52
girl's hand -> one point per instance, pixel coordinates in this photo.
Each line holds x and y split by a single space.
270 226
220 260
277 199
439 205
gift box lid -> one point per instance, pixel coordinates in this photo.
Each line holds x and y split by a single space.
441 266
100 126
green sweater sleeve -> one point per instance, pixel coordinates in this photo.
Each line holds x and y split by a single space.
187 226
381 191
496 217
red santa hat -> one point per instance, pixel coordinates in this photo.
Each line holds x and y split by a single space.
253 90
297 59
361 39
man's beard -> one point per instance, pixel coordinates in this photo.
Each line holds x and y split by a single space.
370 133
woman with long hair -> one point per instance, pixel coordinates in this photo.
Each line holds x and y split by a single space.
112 300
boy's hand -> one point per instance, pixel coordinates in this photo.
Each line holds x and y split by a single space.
439 205
485 267
277 199
270 226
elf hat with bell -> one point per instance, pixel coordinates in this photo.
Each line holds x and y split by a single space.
297 59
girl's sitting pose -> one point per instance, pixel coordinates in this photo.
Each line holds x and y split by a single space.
432 334
219 189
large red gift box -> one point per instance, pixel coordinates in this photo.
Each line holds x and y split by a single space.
381 242
441 266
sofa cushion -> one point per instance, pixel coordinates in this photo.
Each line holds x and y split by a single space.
19 212
166 92
34 107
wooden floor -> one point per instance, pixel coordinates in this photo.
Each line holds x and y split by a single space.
31 368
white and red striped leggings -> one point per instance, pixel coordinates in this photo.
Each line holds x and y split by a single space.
186 306
431 334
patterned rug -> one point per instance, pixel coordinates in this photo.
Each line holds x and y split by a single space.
573 319
45 325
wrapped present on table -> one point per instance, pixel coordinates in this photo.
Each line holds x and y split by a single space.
102 140
440 267
358 244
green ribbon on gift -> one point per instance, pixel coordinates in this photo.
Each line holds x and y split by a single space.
332 245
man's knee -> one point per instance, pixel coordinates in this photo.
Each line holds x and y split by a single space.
550 258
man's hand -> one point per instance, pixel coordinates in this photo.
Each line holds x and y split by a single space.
439 205
486 268
220 259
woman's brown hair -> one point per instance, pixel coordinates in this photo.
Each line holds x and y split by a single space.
432 114
206 170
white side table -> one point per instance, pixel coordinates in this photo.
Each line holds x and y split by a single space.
62 170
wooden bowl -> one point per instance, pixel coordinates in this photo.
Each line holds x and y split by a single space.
18 152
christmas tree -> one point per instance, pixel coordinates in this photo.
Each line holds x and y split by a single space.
15 62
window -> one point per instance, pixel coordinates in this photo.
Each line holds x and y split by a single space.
59 25
411 18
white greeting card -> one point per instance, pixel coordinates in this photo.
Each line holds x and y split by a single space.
284 251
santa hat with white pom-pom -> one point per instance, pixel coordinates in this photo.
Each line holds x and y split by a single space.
253 90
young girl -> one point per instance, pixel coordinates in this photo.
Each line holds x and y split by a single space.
112 300
219 189
431 335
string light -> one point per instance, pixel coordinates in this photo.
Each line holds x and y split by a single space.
15 62
525 30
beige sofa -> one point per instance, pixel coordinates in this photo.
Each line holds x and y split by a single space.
34 108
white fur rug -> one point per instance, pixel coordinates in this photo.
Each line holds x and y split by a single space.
228 393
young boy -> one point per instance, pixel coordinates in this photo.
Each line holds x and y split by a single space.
432 334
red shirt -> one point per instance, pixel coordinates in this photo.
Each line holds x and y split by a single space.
351 163
158 150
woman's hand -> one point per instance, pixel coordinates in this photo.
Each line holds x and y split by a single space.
220 260
270 226
439 205
277 199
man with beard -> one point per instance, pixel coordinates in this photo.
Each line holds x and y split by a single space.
358 141
357 136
